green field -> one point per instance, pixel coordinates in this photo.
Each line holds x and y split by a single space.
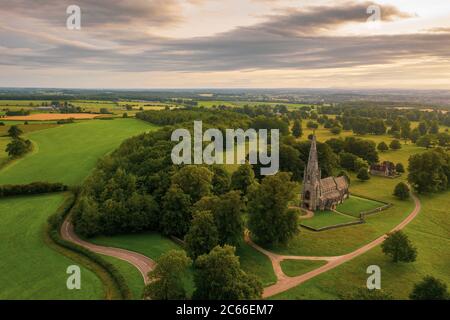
324 219
153 245
150 244
29 269
429 232
68 153
294 268
355 205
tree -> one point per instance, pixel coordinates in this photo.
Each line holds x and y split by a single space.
18 147
430 288
297 130
166 280
195 181
270 219
399 168
423 128
434 128
176 216
428 171
382 146
401 191
424 141
312 125
218 276
228 216
243 178
14 131
228 210
336 130
405 130
363 175
395 145
202 235
221 180
399 247
415 135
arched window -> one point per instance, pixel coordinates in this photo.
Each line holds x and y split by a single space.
307 195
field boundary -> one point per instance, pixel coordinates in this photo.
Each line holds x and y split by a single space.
55 222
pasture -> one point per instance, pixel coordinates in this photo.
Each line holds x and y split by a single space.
68 153
323 219
29 269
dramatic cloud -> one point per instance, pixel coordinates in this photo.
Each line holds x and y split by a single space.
121 36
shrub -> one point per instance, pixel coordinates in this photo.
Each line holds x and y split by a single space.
32 188
430 288
399 247
363 175
395 145
401 191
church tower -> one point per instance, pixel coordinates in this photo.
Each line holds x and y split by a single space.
311 180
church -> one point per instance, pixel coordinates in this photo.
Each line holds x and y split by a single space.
318 193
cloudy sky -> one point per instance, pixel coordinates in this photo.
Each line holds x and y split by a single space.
226 44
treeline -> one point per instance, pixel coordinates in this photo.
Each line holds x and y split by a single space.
31 188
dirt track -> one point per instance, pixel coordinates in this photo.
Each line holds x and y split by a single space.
285 283
141 262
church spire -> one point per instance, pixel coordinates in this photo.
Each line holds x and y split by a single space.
313 163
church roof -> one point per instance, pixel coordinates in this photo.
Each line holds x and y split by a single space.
328 183
341 182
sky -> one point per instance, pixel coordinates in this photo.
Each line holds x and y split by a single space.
226 44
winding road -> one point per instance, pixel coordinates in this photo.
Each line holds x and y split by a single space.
284 282
142 263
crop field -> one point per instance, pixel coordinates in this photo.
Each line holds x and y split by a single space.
69 152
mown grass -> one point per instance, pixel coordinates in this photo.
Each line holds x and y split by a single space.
153 245
68 153
429 232
355 205
150 244
324 219
293 268
29 269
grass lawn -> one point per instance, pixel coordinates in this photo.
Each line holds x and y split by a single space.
150 244
131 274
294 268
429 232
324 219
29 269
153 245
355 205
68 153
256 263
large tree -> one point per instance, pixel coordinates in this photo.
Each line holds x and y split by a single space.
401 191
14 131
297 129
429 171
166 280
202 235
18 147
243 178
399 247
176 214
228 210
195 181
270 219
218 276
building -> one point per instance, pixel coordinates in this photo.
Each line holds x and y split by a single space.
318 193
384 169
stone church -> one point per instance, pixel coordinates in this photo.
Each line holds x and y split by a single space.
318 193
